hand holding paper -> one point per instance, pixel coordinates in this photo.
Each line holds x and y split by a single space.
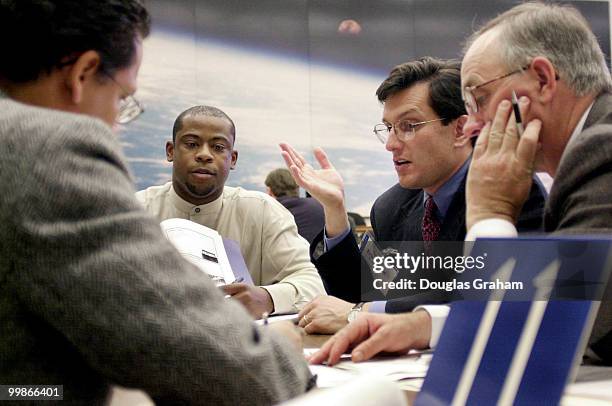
257 300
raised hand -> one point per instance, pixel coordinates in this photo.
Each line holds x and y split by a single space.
323 184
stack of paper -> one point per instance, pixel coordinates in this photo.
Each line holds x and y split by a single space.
364 391
409 366
281 317
588 393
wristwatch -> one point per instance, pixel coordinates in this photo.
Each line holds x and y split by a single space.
354 311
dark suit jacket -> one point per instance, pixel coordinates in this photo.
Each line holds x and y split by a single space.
397 216
308 214
580 200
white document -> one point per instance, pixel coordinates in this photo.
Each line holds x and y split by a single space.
396 368
329 377
409 366
588 393
202 246
364 391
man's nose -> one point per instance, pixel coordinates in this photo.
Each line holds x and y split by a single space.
204 154
393 142
472 126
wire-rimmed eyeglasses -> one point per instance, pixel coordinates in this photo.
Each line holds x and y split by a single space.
129 107
471 103
404 129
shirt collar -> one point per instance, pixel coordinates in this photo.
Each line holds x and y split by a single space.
186 207
580 126
445 194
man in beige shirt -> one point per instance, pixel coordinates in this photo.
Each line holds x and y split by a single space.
202 154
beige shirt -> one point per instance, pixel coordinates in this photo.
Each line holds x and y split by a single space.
276 255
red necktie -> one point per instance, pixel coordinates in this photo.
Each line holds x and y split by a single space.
431 225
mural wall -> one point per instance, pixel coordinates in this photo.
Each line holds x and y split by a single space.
298 71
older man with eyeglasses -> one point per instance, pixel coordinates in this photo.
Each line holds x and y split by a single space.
422 128
555 65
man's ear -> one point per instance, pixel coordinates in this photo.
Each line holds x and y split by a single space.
81 74
546 76
234 159
461 138
169 151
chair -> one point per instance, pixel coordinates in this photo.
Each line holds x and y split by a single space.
357 218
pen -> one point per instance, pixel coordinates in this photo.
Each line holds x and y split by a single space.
517 114
241 279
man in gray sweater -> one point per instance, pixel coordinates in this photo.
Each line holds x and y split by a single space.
91 294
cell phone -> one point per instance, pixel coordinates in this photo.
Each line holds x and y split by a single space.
517 114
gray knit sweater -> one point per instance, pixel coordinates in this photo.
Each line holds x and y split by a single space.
92 294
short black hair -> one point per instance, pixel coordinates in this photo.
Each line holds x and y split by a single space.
443 77
281 183
43 35
209 111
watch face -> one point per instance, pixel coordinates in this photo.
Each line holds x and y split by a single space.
354 311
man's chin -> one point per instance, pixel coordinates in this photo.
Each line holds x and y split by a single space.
200 192
409 183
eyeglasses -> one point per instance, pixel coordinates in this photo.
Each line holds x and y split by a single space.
129 107
471 103
404 129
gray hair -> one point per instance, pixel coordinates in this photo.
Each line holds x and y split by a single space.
557 32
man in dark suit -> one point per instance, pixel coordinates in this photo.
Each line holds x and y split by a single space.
549 56
91 292
307 212
422 127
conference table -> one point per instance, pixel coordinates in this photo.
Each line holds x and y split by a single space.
130 397
588 396
125 397
573 396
